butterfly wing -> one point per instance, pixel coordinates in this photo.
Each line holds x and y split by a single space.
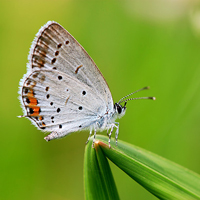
63 91
54 48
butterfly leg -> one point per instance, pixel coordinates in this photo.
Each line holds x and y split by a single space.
89 137
117 131
95 130
107 132
109 135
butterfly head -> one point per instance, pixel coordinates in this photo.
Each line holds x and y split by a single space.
119 109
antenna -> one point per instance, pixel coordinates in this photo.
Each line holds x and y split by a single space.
144 88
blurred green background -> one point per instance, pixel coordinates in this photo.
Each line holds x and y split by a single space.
135 43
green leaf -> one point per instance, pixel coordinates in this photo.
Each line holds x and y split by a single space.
98 179
161 177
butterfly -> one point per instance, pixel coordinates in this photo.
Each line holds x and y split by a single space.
63 90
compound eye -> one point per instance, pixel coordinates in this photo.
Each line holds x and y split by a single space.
119 109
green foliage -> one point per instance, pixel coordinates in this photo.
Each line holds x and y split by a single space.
161 177
99 182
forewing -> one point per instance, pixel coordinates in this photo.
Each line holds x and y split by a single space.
54 48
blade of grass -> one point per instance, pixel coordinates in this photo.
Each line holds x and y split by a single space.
161 177
98 178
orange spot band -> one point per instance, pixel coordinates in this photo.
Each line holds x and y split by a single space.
36 111
33 101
